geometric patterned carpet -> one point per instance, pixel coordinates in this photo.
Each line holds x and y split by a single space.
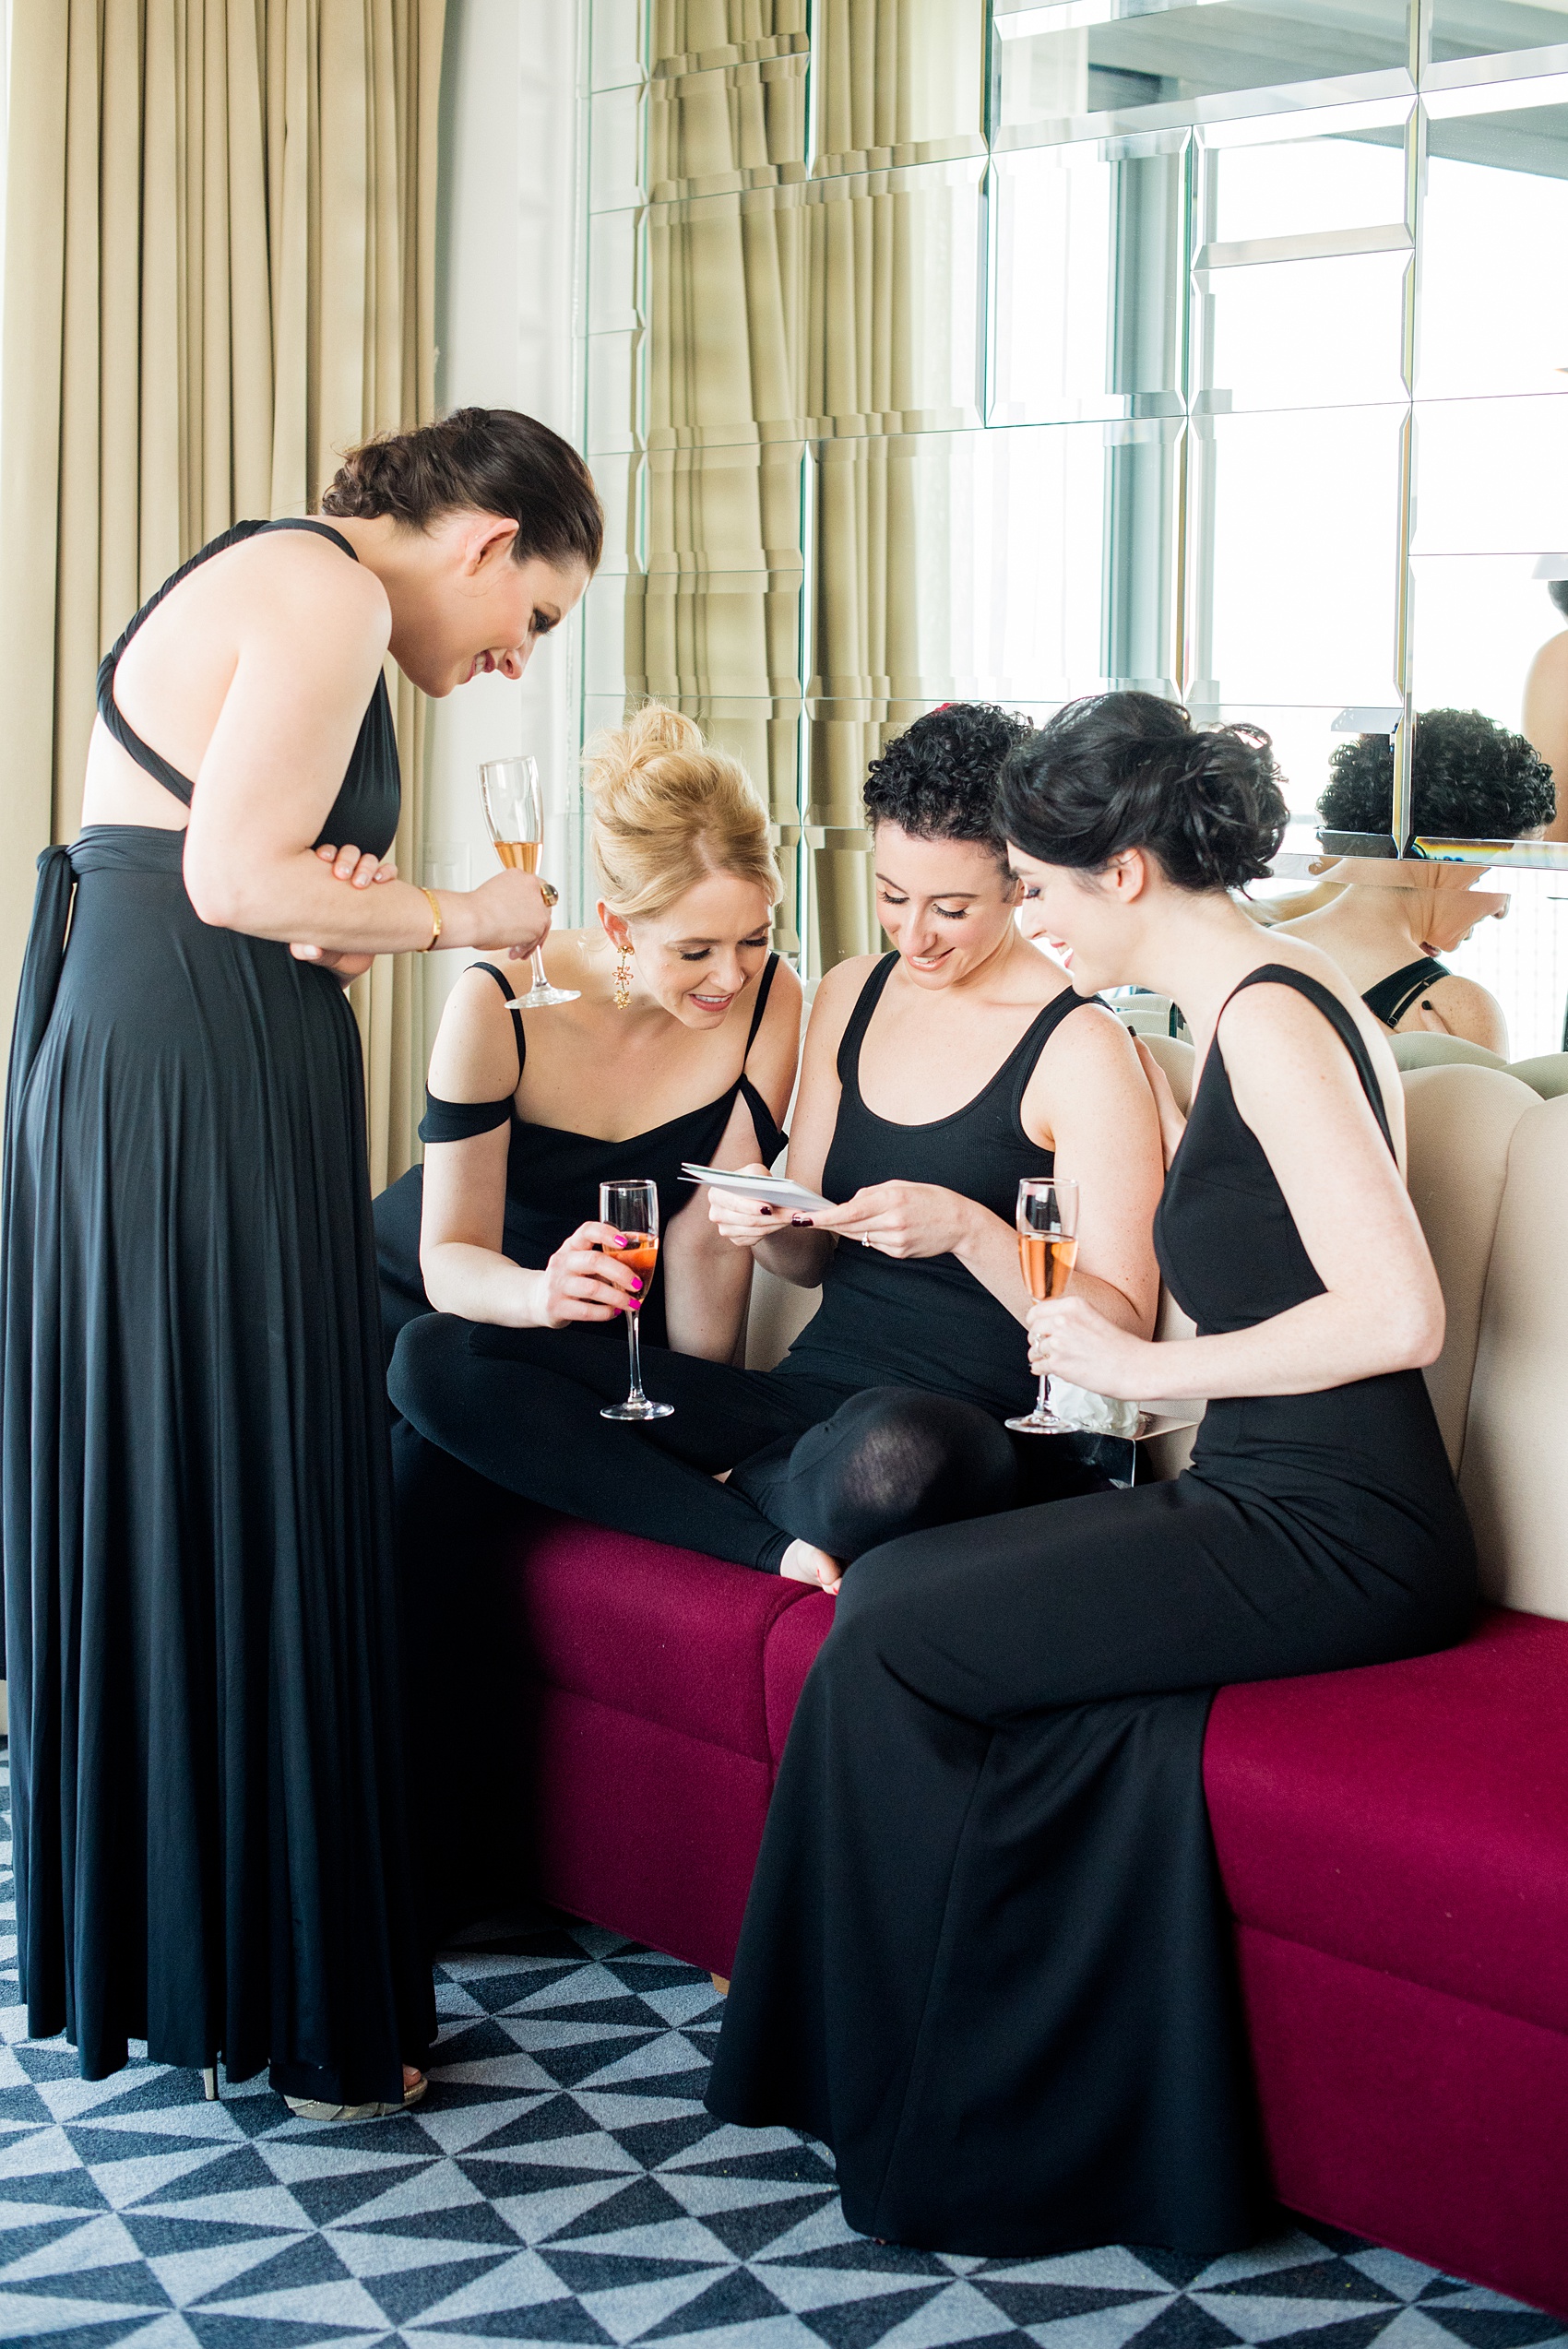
563 2184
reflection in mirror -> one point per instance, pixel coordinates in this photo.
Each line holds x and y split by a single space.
1090 244
1487 27
1391 923
1494 307
1166 55
1332 186
893 328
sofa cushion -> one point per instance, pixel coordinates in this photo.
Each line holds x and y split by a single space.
668 1635
1409 1817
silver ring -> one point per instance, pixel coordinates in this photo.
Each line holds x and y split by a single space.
865 1241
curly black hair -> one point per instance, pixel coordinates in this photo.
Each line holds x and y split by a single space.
1128 770
937 780
1470 779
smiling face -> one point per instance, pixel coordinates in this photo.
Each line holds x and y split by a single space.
476 611
1090 920
947 905
694 958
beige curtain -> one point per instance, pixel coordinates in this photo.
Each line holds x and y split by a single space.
713 607
219 258
781 309
899 88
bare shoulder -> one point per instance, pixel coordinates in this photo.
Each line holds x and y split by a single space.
298 588
1281 1053
1091 1041
475 1054
1467 1009
838 991
1550 664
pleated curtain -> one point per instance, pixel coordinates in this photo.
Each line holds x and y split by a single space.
219 263
780 312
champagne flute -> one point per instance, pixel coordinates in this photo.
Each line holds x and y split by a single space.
514 809
1047 1218
633 1208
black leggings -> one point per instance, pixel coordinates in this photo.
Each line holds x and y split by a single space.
840 1467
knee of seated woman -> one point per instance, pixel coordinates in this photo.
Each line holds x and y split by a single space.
935 1446
423 1375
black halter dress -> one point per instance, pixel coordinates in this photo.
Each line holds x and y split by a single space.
207 1767
986 1957
1392 997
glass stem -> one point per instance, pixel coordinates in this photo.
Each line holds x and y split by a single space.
539 978
1044 1406
634 1344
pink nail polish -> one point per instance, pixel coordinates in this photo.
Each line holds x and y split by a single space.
637 1286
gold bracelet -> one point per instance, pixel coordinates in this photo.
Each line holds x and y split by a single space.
435 904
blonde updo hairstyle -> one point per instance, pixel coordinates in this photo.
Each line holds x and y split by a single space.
669 810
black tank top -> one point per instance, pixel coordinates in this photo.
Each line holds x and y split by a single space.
926 1322
1392 997
1225 1240
365 811
552 1174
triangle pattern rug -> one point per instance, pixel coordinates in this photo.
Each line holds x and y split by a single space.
564 2184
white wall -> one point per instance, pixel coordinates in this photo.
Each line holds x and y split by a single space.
506 322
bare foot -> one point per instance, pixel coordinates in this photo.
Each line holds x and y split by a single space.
803 1563
412 2077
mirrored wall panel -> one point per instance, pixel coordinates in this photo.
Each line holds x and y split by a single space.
1216 349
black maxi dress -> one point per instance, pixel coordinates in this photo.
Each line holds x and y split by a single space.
986 1956
212 1848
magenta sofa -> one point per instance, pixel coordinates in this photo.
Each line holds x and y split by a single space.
1393 1844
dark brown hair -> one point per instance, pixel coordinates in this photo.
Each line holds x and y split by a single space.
485 460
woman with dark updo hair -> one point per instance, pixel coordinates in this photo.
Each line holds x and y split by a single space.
211 1849
986 1957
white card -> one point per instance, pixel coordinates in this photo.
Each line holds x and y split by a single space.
772 1191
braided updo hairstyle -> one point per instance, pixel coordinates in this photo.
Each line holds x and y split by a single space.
1120 771
668 811
484 460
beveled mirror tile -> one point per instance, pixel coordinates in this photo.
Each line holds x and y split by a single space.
713 261
1490 28
899 85
735 125
1284 186
1286 334
1090 246
1491 476
615 149
615 43
614 246
612 391
1493 319
617 477
1295 522
1476 622
893 293
1088 58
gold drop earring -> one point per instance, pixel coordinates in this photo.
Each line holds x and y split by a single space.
624 977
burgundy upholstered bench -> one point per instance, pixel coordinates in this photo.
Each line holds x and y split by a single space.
1393 1844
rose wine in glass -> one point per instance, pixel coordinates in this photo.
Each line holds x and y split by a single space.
514 809
633 1208
1048 1248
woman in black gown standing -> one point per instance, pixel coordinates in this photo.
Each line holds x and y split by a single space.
986 1957
212 1845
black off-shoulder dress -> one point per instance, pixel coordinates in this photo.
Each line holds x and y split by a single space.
211 1850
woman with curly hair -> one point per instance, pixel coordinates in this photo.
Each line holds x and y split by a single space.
1471 780
934 1078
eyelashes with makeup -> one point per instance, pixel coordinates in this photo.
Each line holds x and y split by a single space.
748 945
945 913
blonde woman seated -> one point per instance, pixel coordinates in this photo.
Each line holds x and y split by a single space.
935 1078
1471 780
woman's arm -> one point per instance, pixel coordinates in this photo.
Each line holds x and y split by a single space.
1382 1308
1089 1099
709 1281
309 638
463 1221
799 1254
